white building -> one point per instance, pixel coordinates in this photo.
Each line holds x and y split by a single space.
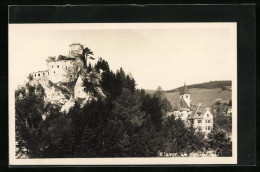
184 106
201 119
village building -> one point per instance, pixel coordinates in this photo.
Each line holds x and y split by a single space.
184 107
229 112
201 119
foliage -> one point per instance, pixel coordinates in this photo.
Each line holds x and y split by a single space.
86 54
113 83
220 108
28 118
224 123
177 138
151 105
220 142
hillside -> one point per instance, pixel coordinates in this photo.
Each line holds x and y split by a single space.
205 85
199 95
203 96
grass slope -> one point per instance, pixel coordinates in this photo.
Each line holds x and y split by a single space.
204 96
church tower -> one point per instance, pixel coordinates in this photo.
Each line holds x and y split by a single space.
185 95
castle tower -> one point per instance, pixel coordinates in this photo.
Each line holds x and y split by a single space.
76 50
184 94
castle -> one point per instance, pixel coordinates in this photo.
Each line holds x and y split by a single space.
62 69
198 116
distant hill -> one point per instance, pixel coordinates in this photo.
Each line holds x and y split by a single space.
204 93
204 96
205 85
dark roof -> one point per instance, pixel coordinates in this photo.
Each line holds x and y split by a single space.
198 112
184 90
61 58
183 106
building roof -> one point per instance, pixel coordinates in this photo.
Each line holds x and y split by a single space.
183 106
185 90
198 112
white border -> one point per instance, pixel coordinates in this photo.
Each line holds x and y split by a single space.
125 161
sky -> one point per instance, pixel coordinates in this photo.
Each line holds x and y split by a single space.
165 55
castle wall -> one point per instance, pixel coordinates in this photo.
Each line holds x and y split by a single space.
40 75
63 70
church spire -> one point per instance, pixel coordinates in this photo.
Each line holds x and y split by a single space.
185 89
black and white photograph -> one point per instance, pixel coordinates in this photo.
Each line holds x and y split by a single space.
123 93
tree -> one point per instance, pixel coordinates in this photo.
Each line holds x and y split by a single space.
220 142
219 108
151 105
178 139
224 123
28 119
159 92
87 54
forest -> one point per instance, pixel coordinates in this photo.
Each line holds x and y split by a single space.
127 123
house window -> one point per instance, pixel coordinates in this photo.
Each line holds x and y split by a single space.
54 71
52 66
208 121
35 75
48 73
208 127
207 115
199 121
43 74
57 66
39 74
66 67
187 96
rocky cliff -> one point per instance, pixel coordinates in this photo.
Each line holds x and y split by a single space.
66 94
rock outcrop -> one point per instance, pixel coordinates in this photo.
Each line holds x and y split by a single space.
60 94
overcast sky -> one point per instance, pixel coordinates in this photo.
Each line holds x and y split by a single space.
155 54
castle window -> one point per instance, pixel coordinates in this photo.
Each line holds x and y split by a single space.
48 73
199 121
52 66
208 121
207 115
54 72
43 74
208 127
186 96
39 74
66 67
35 75
57 66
